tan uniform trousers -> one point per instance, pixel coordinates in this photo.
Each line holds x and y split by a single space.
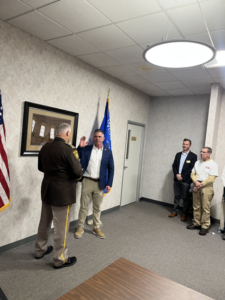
90 188
60 215
201 205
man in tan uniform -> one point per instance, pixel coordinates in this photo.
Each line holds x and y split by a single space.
60 163
203 175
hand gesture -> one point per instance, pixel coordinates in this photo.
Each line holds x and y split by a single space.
82 142
198 185
179 177
107 189
195 190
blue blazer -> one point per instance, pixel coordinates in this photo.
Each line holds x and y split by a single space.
107 163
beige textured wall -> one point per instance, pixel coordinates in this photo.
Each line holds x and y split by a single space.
32 70
214 117
219 157
171 119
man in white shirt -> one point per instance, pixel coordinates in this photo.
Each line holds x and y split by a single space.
96 160
203 175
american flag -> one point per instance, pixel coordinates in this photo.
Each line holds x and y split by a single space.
4 167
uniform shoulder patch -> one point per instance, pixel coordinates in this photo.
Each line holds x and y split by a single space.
75 153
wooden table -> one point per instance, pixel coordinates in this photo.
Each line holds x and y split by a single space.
123 280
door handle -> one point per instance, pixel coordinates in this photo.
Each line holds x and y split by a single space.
125 167
128 144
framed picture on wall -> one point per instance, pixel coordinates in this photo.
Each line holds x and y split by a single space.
39 126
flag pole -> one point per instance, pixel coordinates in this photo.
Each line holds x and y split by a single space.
108 93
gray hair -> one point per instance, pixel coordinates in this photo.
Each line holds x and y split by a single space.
62 128
209 150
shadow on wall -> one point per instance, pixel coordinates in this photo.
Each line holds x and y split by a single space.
216 206
21 130
167 190
95 125
18 182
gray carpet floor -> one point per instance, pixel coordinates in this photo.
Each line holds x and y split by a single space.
140 232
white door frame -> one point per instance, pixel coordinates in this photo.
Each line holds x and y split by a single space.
140 160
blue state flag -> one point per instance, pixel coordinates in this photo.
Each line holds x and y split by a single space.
105 127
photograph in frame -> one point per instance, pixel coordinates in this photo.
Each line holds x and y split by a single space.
40 124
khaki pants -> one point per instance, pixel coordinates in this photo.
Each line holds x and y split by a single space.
60 215
201 205
90 188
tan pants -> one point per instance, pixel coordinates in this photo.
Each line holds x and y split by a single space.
201 205
90 188
60 215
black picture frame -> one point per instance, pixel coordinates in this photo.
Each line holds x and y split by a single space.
2 295
50 114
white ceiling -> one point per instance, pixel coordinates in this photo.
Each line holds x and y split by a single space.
112 34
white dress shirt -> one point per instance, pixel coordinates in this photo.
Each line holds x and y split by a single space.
93 168
182 160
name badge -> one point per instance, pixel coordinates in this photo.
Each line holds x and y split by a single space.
188 161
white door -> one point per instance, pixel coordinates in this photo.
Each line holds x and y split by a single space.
131 164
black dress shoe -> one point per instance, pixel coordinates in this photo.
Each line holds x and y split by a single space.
70 262
203 231
49 250
192 227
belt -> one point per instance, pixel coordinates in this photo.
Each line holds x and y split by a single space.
92 179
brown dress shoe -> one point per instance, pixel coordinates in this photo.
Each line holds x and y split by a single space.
183 218
203 231
192 227
172 215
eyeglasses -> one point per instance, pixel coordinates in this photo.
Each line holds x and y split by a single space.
203 152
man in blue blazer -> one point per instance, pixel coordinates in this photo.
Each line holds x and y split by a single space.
182 167
95 160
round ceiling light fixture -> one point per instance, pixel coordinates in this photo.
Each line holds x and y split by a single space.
179 54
